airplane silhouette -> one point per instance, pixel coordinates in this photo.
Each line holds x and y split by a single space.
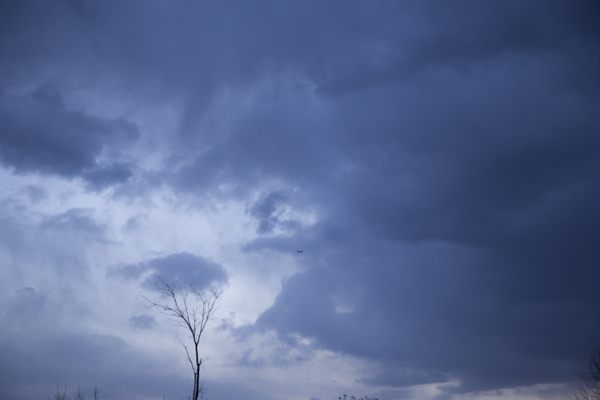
299 251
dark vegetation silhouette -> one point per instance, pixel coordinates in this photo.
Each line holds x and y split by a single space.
190 309
589 379
344 397
79 395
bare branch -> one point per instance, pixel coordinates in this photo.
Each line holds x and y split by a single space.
589 377
59 395
79 395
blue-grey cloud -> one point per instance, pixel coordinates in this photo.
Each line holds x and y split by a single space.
184 267
75 220
394 394
142 322
26 304
133 223
34 193
265 210
105 362
39 133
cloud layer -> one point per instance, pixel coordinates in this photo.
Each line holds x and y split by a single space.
438 164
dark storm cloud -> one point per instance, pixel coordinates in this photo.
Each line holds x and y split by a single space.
184 267
441 63
38 133
397 377
459 197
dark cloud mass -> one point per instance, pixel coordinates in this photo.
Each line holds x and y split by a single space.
267 210
38 133
183 267
438 162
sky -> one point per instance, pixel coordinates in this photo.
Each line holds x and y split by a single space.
437 163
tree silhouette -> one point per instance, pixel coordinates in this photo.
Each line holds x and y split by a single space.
79 395
344 397
191 309
589 376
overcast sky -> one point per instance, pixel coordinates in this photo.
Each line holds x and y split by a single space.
437 162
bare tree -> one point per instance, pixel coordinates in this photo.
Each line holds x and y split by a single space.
589 386
190 309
